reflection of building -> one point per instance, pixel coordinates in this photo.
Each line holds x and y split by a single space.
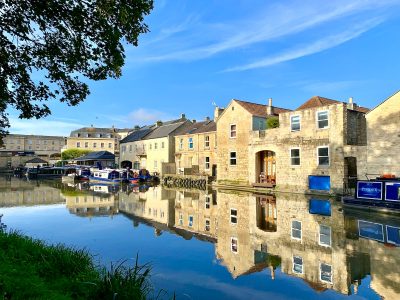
98 201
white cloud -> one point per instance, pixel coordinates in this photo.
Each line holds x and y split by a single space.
144 116
43 126
315 47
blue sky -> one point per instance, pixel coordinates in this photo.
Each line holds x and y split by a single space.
199 52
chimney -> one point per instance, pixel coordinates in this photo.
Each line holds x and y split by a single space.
158 123
183 116
193 121
351 105
137 127
217 113
207 119
270 109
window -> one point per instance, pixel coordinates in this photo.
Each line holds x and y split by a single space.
123 149
190 143
325 272
234 216
234 245
180 144
207 227
208 201
94 145
190 221
296 230
109 145
297 265
207 141
86 144
295 157
78 145
325 235
155 146
155 164
233 131
130 148
232 160
162 145
102 145
29 142
180 219
150 146
323 156
207 163
295 123
323 119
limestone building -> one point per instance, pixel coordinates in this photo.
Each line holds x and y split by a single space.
234 126
315 148
195 147
383 136
132 149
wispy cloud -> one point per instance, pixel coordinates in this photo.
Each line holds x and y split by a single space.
314 47
43 126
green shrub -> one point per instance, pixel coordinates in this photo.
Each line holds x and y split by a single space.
272 122
73 153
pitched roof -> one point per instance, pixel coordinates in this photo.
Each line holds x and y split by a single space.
36 160
210 126
260 110
98 155
318 101
137 135
197 127
164 130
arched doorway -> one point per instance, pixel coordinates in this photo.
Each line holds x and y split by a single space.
266 213
266 168
126 164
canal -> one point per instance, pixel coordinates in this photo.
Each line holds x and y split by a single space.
217 244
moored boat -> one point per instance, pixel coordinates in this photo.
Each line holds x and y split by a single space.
107 176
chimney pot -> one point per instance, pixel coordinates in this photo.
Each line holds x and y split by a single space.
270 109
194 121
351 100
207 119
183 116
270 102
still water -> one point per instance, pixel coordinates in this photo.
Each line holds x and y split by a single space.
217 244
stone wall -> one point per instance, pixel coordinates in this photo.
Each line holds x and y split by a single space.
383 125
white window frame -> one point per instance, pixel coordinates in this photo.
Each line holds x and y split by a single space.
301 230
317 120
232 131
207 163
236 243
207 142
302 265
190 223
230 158
291 123
190 142
320 273
330 236
233 216
329 156
290 155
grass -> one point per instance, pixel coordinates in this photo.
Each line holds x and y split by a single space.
30 269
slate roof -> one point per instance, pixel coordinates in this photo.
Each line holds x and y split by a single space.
98 155
209 126
197 127
36 160
165 129
137 135
318 101
260 110
93 129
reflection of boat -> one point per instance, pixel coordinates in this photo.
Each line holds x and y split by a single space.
76 174
380 194
104 188
107 176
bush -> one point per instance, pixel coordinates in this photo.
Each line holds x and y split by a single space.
272 122
73 153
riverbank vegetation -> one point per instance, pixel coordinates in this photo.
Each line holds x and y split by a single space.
30 269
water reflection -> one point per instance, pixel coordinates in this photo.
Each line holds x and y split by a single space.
316 240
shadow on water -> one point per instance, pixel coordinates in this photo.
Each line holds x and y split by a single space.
285 236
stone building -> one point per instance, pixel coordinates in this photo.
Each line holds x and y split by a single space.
39 145
383 138
315 148
95 139
195 147
234 125
132 148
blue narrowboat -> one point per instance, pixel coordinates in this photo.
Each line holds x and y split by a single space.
107 176
379 194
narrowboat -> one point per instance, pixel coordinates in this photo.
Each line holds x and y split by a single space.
107 176
381 194
45 172
76 174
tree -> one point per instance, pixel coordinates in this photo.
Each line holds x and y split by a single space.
62 42
73 153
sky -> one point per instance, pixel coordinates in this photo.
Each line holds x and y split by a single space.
204 53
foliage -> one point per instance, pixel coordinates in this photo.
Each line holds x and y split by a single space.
30 269
73 153
62 42
272 122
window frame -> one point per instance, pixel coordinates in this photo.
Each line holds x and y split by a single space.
301 230
329 156
291 157
330 236
233 216
231 158
190 223
209 225
291 123
236 251
232 131
190 143
317 118
180 144
207 163
302 265
207 142
320 273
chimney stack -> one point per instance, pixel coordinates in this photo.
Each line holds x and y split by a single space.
207 119
351 105
270 109
183 116
158 123
217 112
